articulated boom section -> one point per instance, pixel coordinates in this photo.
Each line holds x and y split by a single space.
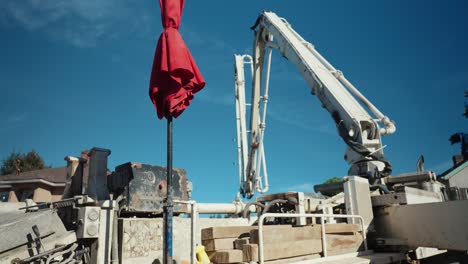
360 131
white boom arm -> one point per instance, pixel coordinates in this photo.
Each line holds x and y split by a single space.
359 130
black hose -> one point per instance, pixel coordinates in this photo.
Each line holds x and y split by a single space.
270 204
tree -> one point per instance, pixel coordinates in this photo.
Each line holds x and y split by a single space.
333 180
19 162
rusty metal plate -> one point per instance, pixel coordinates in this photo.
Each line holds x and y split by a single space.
143 187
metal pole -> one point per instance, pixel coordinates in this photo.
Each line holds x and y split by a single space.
168 209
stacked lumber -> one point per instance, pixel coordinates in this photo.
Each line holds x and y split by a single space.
282 243
220 243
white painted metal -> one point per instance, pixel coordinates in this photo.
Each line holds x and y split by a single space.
324 238
357 200
250 168
439 225
235 207
327 83
208 208
106 222
193 228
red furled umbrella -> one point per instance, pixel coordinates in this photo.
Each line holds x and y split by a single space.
175 79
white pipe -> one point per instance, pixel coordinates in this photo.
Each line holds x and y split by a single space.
239 149
193 237
235 207
262 188
389 128
219 208
193 228
240 61
324 240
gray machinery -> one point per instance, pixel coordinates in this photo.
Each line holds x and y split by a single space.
407 212
360 131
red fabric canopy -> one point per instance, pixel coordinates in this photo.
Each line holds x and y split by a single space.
175 77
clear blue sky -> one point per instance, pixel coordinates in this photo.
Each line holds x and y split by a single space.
74 74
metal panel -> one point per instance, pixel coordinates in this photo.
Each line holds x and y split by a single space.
97 179
143 187
89 219
357 199
440 225
408 195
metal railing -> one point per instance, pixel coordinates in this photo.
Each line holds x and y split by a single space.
193 227
322 223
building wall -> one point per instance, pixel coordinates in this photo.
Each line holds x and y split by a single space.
38 192
12 197
42 194
57 193
460 179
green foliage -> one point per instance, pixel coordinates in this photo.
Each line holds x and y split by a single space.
333 180
21 162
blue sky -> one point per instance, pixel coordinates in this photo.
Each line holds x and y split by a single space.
74 74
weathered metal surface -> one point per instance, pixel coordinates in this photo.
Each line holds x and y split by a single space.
97 180
440 225
408 195
16 228
18 236
144 187
410 177
358 201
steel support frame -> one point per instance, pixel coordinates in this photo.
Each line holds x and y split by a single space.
439 225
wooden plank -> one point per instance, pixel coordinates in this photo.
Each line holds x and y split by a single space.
218 244
250 252
341 244
272 235
232 231
336 245
341 228
290 234
225 232
294 259
283 250
226 256
238 243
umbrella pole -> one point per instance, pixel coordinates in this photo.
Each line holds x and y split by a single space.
168 209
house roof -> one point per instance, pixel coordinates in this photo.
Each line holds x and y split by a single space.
51 175
454 171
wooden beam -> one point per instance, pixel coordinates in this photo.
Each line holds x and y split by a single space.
218 244
250 252
225 232
238 243
226 256
283 250
233 231
336 244
272 235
